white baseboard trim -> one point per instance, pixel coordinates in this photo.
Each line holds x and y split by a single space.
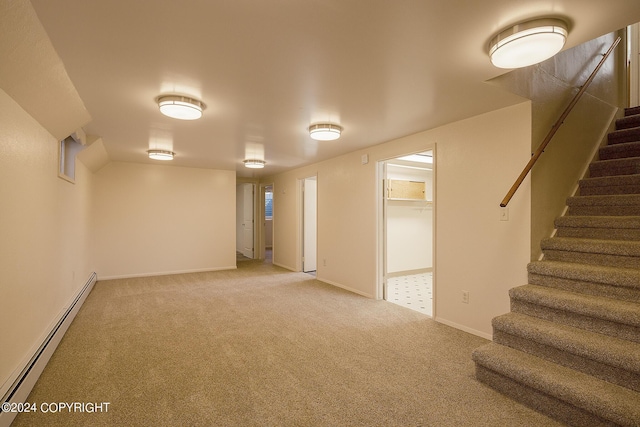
328 282
30 372
464 328
346 288
284 266
167 273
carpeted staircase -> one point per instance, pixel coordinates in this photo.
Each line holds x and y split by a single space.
570 347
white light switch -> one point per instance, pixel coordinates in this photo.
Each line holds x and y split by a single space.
504 214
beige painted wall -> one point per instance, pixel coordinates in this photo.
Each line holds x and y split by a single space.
476 160
156 219
551 85
44 231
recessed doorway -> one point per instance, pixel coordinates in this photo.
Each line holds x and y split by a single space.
407 212
309 188
245 232
266 234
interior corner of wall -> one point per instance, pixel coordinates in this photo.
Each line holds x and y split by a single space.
94 156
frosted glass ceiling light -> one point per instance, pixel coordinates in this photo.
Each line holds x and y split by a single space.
180 107
325 132
161 154
528 43
254 164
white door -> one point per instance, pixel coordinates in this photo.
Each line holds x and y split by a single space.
309 219
247 221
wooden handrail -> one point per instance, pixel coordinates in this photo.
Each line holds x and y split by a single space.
555 128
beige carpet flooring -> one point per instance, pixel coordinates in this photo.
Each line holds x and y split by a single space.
262 346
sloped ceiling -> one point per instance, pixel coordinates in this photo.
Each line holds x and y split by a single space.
33 74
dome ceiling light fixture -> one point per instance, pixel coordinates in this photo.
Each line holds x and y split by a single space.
254 164
528 43
180 107
325 131
161 154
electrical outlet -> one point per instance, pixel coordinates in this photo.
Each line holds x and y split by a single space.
465 297
504 214
324 262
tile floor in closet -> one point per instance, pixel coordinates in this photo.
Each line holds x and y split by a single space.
414 291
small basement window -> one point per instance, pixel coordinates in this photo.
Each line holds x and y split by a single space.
69 147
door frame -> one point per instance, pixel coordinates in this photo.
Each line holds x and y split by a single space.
253 217
381 223
301 229
260 213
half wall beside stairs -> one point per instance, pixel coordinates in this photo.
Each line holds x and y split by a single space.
570 347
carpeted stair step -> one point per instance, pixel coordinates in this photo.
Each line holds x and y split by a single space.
624 135
573 397
628 121
614 253
631 111
610 282
610 185
619 151
610 359
626 166
570 347
599 227
620 319
606 205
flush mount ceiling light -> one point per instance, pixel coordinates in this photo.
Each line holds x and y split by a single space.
161 154
528 43
325 131
180 107
254 164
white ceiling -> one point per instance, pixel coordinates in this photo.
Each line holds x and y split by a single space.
268 69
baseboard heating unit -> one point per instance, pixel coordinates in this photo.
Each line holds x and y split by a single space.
22 386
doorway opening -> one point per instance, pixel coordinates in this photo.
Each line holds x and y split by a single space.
407 212
267 223
309 197
245 240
